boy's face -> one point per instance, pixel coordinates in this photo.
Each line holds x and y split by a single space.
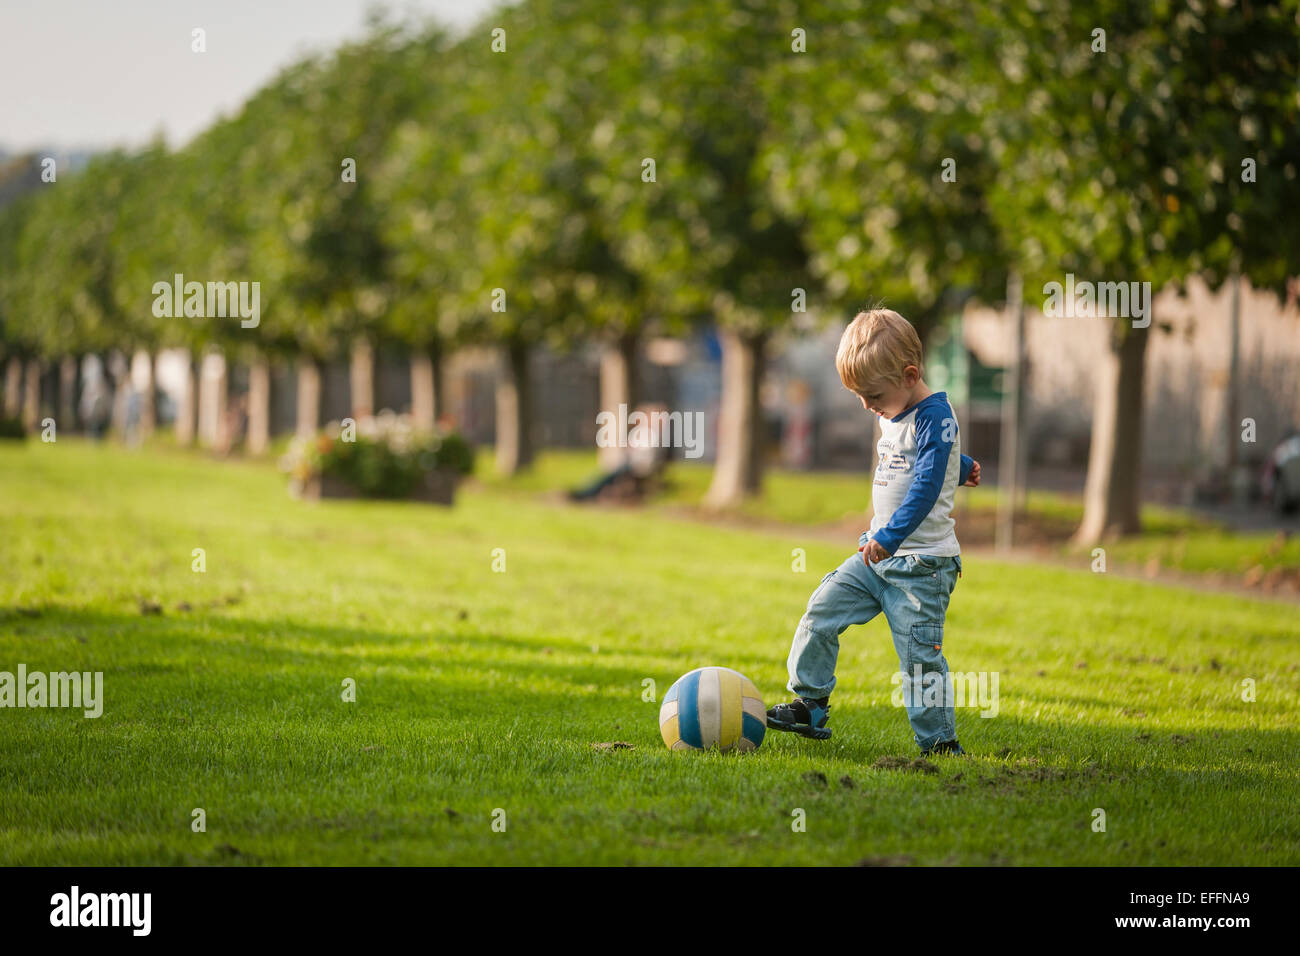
887 399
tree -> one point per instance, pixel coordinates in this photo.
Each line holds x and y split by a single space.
1122 166
681 152
883 156
494 219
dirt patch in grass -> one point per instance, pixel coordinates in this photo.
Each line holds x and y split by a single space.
1010 778
916 765
609 746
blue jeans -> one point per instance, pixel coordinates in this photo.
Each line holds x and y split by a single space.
912 591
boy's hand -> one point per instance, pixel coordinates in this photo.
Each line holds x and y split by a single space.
973 478
873 552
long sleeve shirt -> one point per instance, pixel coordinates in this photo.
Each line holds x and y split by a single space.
920 467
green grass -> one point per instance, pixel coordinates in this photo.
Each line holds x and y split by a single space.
479 690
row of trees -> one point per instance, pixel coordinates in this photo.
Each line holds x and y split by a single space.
572 170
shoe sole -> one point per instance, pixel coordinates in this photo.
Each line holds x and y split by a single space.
803 730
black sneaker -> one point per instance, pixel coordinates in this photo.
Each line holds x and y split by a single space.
804 716
944 748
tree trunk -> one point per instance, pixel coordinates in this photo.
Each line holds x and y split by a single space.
68 368
514 451
259 406
231 428
440 407
32 394
212 409
738 470
187 414
13 386
441 410
148 408
104 421
121 391
618 386
308 396
426 387
1112 498
361 378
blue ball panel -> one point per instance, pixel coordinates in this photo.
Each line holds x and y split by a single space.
688 709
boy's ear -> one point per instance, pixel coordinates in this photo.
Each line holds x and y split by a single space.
911 375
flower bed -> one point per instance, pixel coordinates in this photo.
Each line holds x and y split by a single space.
380 457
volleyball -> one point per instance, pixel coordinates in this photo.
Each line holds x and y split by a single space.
713 707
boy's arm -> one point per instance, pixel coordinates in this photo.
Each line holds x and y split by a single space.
927 481
966 462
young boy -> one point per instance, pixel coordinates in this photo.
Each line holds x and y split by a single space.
909 560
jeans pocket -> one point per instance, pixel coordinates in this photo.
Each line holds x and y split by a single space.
927 647
900 571
929 638
927 562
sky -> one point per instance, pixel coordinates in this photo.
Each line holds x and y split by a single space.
93 74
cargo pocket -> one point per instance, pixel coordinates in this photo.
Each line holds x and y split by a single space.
927 644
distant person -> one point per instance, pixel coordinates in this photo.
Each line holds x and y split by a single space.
909 561
644 458
796 435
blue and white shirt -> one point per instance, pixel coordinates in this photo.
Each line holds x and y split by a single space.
920 467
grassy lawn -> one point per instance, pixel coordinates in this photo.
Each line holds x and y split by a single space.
478 690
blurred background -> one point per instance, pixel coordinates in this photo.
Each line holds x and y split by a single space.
502 219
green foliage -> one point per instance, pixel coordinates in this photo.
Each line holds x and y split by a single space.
454 454
1127 163
12 428
869 115
490 187
775 170
688 91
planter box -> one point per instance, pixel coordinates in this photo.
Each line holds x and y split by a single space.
439 487
330 486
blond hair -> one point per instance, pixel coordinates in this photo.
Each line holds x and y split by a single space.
876 347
